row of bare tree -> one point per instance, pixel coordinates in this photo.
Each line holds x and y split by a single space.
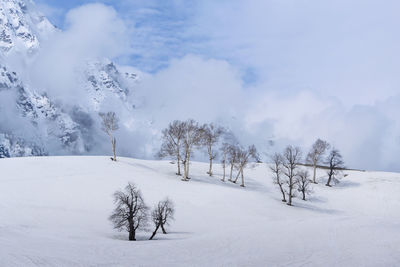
290 175
181 138
132 214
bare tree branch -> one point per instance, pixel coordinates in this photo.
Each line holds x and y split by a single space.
315 155
335 163
130 213
162 215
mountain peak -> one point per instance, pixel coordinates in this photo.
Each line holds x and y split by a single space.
22 26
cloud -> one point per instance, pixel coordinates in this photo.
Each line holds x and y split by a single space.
93 31
211 90
192 87
287 71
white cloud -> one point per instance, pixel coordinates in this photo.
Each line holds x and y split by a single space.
93 31
325 69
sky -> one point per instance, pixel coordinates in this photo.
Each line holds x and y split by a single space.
286 70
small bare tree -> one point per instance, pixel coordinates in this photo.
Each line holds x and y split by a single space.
172 142
315 155
192 137
161 215
276 168
303 183
336 164
130 213
224 159
109 125
243 158
211 136
291 160
232 159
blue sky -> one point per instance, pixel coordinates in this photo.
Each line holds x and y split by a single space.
159 27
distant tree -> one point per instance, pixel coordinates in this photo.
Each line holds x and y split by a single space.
211 136
232 159
109 125
276 168
303 183
130 213
224 159
291 160
161 215
243 158
336 164
172 142
316 154
192 137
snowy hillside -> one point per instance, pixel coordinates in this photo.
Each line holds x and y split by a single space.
54 212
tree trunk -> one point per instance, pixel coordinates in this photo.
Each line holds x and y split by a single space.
230 175
114 141
304 194
179 167
242 185
330 174
154 233
210 170
131 232
283 193
290 192
186 167
223 177
315 173
328 183
237 177
178 160
163 229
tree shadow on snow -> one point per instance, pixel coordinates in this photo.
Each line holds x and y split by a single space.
347 184
314 199
305 206
250 184
145 236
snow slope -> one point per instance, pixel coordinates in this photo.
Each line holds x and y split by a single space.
54 212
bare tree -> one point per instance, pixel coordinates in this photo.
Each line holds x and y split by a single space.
225 150
276 168
192 137
232 159
291 160
335 163
211 135
315 155
303 183
161 215
243 158
172 142
130 213
109 125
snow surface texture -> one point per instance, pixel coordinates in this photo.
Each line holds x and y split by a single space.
54 212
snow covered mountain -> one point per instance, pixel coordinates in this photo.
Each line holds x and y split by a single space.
21 26
48 125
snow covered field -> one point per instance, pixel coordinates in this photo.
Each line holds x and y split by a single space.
54 212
